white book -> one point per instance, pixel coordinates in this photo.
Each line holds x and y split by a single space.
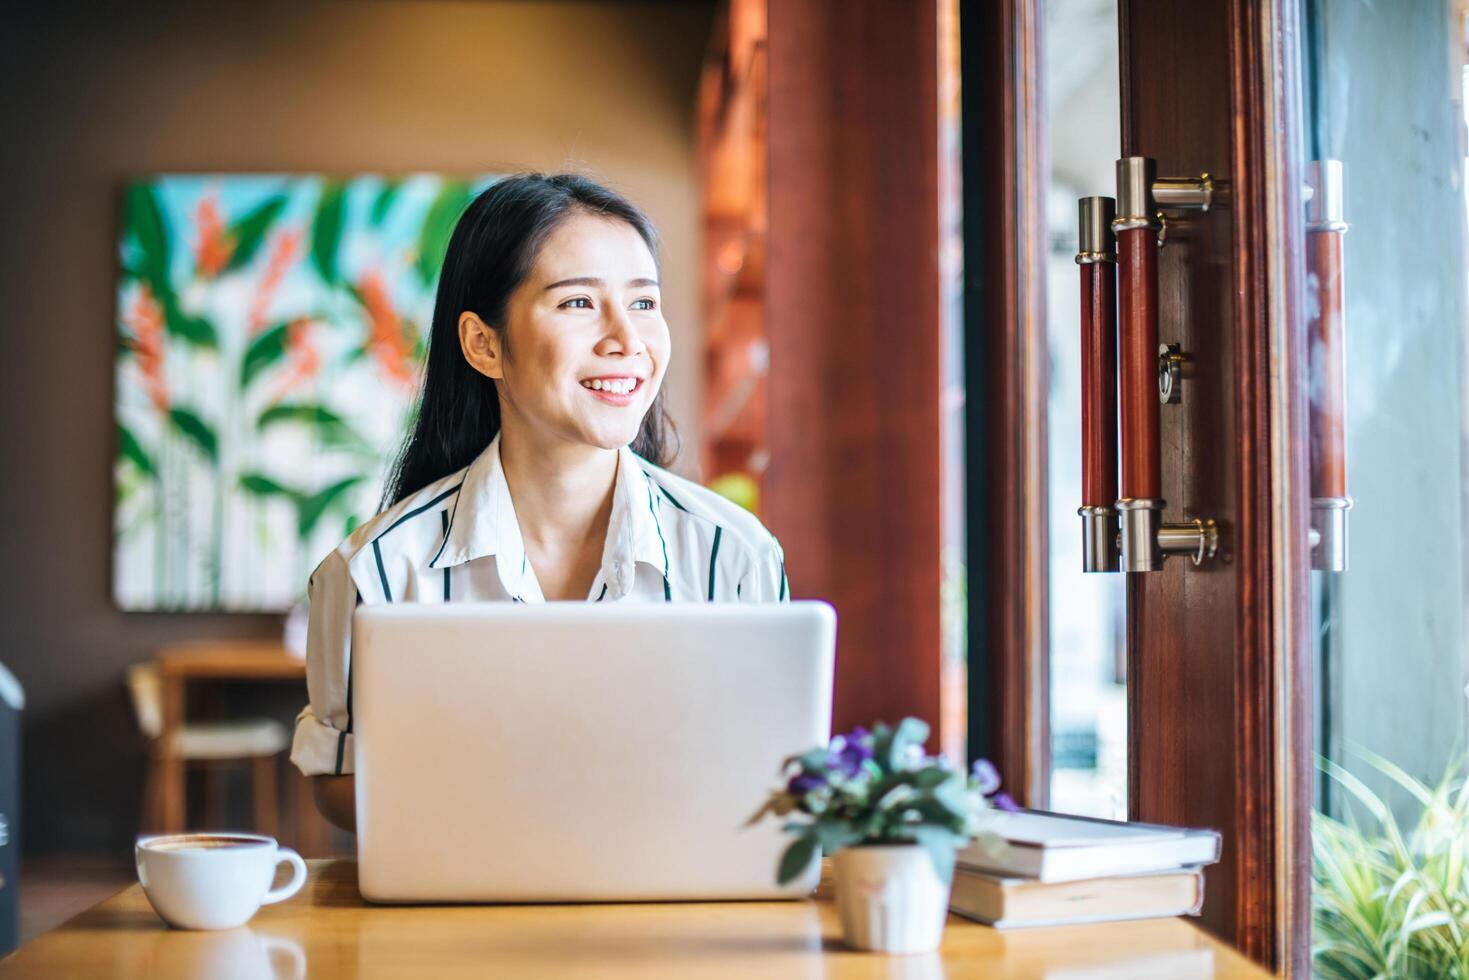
1012 903
1056 847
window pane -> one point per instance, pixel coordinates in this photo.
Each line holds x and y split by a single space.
1088 690
1384 96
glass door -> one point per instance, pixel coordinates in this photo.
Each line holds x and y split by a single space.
1384 231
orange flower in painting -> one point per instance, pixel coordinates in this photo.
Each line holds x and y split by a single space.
303 357
284 250
145 318
214 245
387 339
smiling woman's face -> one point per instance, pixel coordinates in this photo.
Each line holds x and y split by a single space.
585 344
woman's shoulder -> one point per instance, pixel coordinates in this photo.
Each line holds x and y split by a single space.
412 522
697 502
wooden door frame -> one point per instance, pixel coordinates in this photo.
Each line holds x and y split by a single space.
1266 875
1266 734
1005 174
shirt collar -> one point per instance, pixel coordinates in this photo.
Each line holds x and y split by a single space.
484 524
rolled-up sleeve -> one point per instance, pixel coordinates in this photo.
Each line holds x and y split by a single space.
765 580
323 742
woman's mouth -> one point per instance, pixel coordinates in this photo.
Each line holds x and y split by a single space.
614 390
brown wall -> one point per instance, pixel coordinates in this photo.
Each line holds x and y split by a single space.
89 98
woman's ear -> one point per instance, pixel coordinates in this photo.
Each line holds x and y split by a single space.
481 346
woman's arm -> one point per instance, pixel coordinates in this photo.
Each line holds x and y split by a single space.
336 799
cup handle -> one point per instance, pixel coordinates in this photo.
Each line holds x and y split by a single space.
298 877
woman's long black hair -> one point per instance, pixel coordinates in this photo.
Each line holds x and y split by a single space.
492 250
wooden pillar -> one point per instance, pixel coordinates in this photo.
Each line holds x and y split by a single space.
852 316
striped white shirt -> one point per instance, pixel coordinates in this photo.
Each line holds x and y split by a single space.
457 540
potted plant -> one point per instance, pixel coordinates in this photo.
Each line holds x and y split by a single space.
1390 900
893 818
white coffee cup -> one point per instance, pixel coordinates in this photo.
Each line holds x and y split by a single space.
214 881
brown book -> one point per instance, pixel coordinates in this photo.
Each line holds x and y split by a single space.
1008 903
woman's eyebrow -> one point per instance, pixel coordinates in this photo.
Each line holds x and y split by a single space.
594 281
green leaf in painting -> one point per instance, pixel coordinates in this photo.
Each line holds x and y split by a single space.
438 226
384 201
329 427
191 427
145 224
267 348
796 858
313 507
133 451
192 329
326 230
306 414
249 231
263 486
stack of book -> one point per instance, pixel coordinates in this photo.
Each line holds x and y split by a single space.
1050 869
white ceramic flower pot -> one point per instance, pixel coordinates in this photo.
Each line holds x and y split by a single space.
890 898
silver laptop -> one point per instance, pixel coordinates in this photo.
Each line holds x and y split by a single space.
573 752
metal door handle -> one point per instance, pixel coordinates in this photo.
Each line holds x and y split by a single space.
1150 373
1325 230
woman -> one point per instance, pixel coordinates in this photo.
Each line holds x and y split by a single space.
533 470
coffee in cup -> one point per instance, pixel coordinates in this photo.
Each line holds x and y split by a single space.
213 881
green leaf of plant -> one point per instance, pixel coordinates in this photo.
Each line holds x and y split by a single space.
249 231
933 776
796 858
193 428
263 486
146 225
438 226
132 451
833 835
384 201
312 507
911 732
766 808
326 230
954 795
942 847
266 349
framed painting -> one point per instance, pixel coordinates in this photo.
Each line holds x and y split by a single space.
271 331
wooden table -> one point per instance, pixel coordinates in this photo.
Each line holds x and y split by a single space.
327 931
214 660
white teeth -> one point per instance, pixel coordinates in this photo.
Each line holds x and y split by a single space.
621 386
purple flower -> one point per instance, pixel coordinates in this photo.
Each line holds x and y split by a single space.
987 776
804 782
1002 801
854 752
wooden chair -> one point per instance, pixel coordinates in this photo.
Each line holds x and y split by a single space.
256 742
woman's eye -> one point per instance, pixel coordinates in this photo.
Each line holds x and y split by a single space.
578 299
652 304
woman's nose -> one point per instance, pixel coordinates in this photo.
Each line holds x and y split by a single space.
620 336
